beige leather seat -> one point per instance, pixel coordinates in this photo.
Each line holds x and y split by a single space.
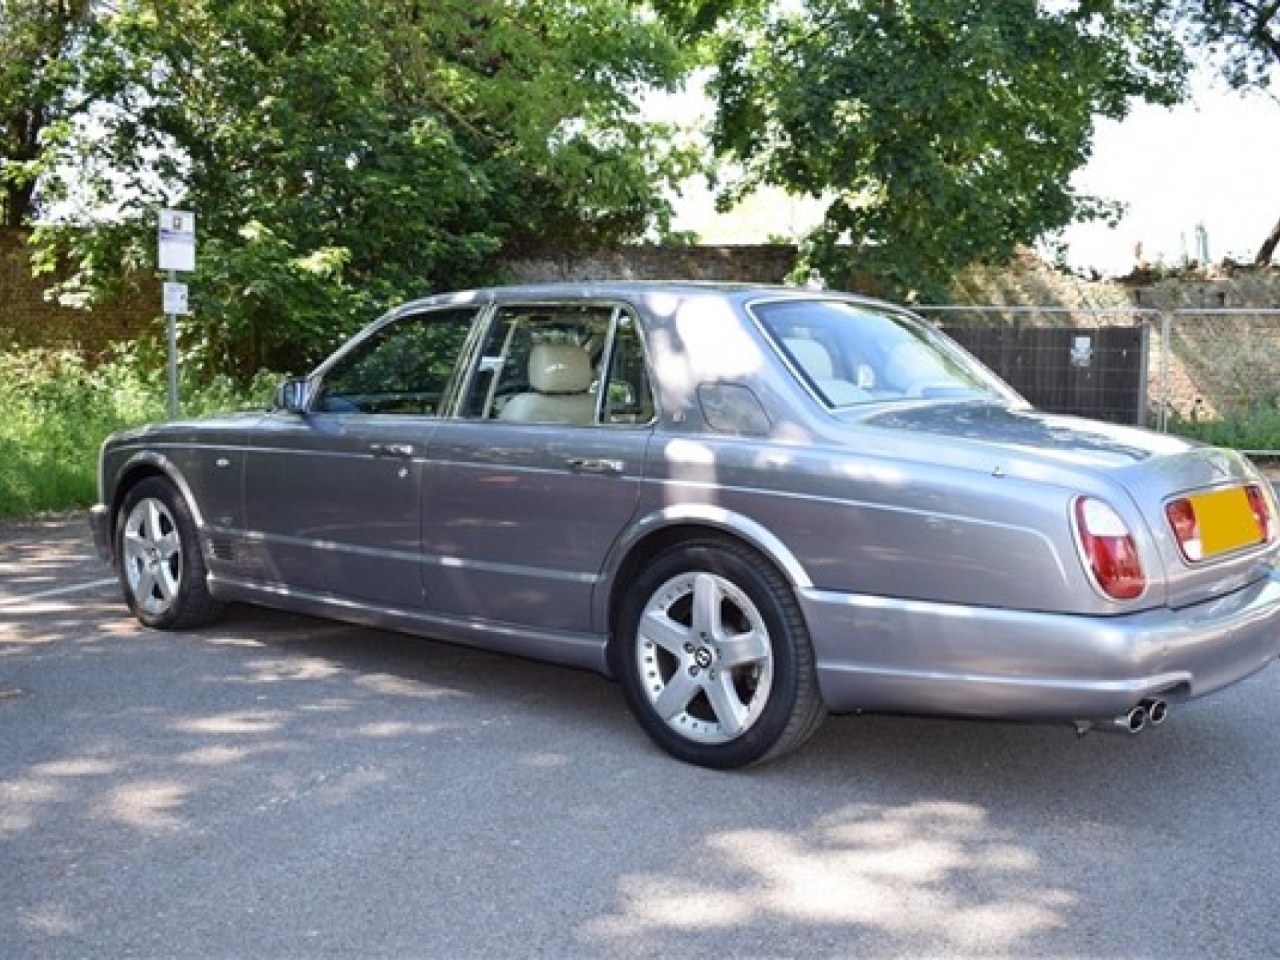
560 375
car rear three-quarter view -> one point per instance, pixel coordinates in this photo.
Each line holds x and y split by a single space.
752 506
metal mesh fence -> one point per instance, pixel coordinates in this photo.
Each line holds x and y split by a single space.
1092 362
1196 365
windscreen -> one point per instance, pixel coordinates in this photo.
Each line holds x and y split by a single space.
851 353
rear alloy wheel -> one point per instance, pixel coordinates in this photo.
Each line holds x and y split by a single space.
162 572
715 659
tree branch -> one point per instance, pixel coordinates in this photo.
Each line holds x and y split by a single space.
1268 247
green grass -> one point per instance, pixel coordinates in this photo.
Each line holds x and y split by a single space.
56 409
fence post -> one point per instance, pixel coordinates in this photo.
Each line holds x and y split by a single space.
1166 341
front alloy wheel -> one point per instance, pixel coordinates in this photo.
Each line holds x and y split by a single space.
162 571
151 554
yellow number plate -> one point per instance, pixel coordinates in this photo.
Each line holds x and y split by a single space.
1226 521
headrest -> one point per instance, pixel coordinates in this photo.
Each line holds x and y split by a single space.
812 357
559 368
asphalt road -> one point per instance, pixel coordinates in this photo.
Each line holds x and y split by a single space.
280 787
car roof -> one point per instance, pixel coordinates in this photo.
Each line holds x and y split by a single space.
633 290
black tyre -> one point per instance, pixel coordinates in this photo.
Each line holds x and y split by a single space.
714 658
162 571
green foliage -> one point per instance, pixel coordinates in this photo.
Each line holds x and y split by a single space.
342 155
39 77
59 409
943 132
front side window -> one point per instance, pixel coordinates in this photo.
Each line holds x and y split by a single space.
403 368
561 364
848 353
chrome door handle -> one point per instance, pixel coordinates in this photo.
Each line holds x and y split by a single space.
402 451
595 465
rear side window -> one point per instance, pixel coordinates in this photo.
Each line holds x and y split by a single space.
848 353
568 364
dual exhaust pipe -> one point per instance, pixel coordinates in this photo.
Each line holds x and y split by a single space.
1148 713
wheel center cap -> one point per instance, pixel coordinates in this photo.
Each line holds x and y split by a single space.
703 657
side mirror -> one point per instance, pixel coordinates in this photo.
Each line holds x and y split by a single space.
292 396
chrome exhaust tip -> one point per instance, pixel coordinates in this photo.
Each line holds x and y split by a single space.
1157 711
1133 722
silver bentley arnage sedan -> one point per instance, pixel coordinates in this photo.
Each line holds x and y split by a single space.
751 506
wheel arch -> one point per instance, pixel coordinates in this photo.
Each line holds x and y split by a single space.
143 466
684 524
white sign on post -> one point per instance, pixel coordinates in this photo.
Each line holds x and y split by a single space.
177 252
175 299
177 240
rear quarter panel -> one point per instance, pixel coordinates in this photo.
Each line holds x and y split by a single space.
888 527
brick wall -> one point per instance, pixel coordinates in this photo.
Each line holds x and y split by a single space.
730 264
29 319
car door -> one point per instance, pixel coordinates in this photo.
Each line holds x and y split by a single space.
333 494
528 490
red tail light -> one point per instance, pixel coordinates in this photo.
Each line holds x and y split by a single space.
1262 516
1109 550
1186 528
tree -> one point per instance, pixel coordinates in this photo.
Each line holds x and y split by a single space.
345 154
38 91
1246 36
943 132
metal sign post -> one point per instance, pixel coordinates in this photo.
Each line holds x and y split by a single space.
177 234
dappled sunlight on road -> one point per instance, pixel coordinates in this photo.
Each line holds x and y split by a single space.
83 767
934 872
32 623
390 729
236 722
36 555
284 669
22 799
392 686
219 756
151 806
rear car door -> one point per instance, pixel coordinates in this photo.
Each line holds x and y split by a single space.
529 488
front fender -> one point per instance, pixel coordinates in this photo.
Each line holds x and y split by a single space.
132 468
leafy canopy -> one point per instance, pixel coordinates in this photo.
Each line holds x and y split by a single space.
344 154
39 42
943 132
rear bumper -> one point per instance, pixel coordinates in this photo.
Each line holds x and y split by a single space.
100 524
895 656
